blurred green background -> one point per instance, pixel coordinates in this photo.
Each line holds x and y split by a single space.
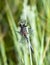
14 50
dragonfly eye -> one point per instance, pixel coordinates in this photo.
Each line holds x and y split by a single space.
22 23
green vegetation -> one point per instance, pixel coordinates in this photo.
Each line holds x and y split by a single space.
14 48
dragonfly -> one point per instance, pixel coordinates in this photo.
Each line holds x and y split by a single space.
24 32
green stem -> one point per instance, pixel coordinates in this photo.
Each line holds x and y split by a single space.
30 54
0 62
3 52
13 29
26 57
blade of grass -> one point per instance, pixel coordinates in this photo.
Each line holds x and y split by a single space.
26 57
41 49
3 52
0 62
46 48
13 29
